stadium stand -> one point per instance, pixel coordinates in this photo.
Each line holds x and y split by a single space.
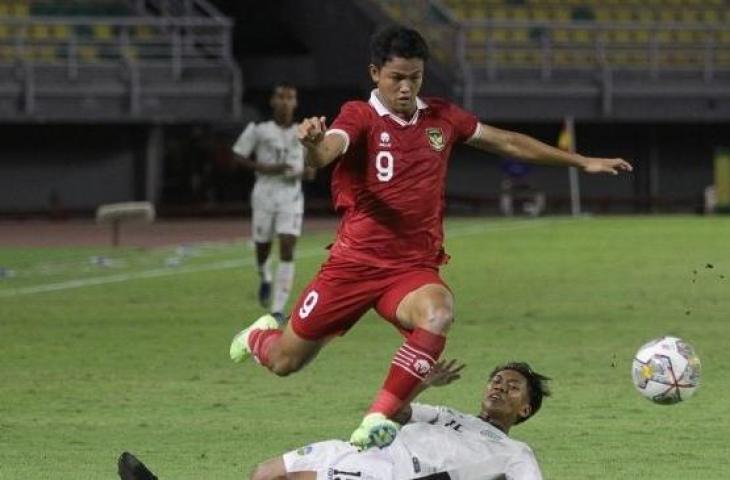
116 60
610 51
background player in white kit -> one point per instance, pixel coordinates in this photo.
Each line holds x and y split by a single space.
434 443
277 201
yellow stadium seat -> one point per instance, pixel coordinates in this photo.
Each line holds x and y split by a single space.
498 14
604 15
4 31
88 53
642 36
499 36
477 36
519 14
684 36
710 16
143 31
40 32
581 36
668 15
645 15
623 15
541 14
102 32
562 15
561 36
7 53
621 36
725 37
4 11
664 36
520 35
46 53
477 56
61 32
690 16
20 10
460 11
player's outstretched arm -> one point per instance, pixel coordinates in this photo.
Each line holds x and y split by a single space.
320 149
442 373
523 147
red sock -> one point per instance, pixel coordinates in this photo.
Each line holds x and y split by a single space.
260 341
410 365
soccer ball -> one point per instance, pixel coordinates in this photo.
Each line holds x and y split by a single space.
666 370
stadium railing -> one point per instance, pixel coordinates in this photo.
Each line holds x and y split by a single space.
162 58
542 41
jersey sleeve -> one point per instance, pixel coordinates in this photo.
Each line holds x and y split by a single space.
350 124
466 124
246 142
524 467
422 413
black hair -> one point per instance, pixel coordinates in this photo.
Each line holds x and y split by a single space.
536 384
397 41
283 84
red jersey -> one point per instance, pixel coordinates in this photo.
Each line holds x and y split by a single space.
389 184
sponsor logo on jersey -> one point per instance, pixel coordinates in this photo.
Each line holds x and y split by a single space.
436 138
384 140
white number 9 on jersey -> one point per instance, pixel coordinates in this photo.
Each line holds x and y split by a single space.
384 164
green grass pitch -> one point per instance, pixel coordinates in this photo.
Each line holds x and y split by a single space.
140 362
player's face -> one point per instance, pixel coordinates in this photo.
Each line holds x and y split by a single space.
507 396
399 81
284 102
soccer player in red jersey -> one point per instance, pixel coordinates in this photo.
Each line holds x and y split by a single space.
388 186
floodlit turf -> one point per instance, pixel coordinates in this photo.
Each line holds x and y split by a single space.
142 363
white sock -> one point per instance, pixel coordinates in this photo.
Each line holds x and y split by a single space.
282 286
265 271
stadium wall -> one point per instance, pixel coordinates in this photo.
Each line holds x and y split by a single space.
66 169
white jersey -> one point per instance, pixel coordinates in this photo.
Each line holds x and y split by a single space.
273 145
436 440
439 439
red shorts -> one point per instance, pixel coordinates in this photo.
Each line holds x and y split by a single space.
343 291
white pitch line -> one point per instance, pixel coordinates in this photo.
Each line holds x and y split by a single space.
228 264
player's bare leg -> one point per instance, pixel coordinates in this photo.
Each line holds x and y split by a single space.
430 307
284 277
281 351
263 249
274 469
427 312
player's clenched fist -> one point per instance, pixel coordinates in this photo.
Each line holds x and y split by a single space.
311 131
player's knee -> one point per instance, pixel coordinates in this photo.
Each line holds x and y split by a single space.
441 319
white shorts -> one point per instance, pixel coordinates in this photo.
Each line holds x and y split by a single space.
266 223
338 460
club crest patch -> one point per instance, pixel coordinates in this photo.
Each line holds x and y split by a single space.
436 138
304 450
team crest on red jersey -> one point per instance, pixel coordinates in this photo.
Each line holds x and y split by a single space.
436 138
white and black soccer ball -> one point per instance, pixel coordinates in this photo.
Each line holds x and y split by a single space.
666 370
